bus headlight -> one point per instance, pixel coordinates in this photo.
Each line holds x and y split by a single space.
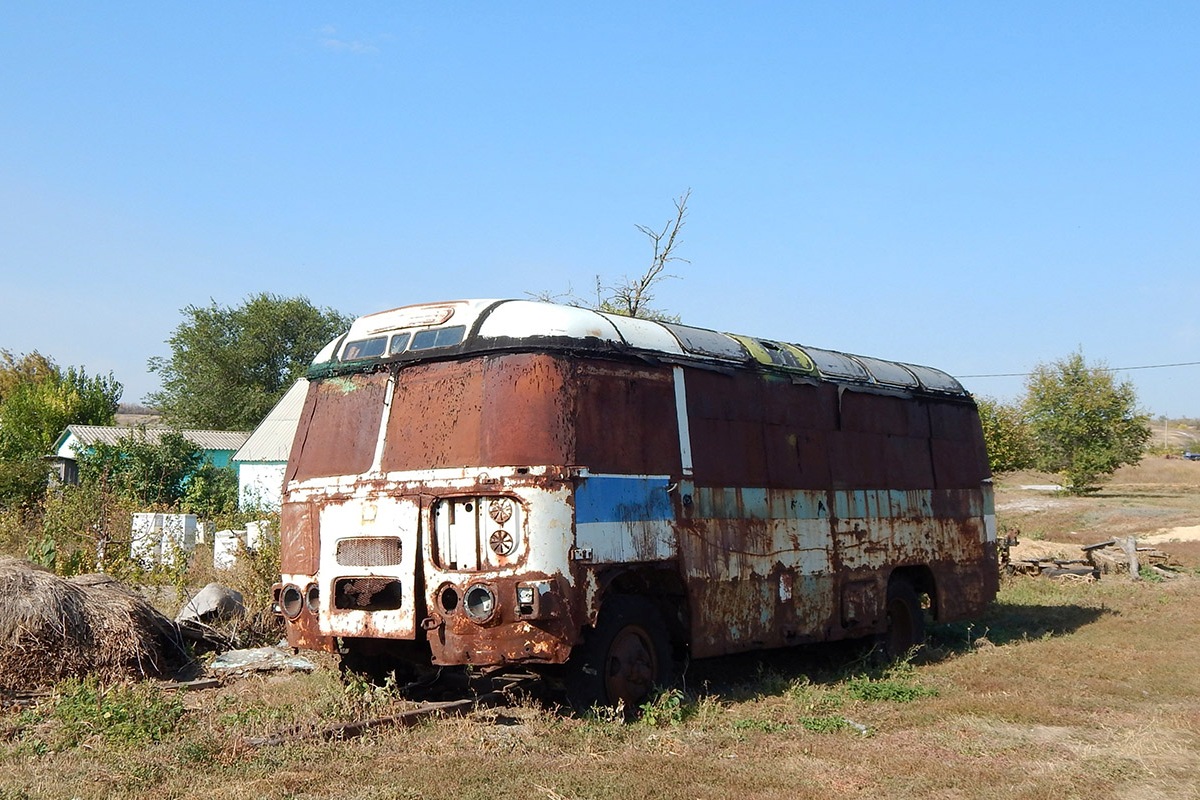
291 601
479 603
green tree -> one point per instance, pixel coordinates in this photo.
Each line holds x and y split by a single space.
39 400
229 366
29 368
211 492
1084 423
152 473
1006 432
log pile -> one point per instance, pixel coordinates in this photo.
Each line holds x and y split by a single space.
1124 557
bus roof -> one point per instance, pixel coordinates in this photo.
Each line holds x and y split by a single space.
459 327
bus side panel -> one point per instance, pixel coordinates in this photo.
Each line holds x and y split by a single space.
807 498
624 518
758 568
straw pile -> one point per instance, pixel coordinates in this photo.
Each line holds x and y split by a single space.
52 628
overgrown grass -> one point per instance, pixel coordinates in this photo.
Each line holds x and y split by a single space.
82 711
1099 698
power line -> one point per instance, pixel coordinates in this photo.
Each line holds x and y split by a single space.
1103 369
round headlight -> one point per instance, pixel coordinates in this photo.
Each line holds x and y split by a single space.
291 601
312 599
479 603
448 598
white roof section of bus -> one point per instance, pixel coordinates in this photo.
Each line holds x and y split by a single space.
428 315
528 319
508 321
645 334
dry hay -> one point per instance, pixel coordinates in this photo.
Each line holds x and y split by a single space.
52 628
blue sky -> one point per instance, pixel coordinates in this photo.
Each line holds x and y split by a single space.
977 187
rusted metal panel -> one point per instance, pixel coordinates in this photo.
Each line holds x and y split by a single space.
299 547
505 637
506 409
437 416
341 426
772 567
481 502
624 518
624 419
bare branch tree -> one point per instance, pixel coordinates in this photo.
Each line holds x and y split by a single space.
631 297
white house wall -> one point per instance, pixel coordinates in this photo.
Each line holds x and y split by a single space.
260 485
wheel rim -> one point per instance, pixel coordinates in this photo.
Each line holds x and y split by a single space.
631 666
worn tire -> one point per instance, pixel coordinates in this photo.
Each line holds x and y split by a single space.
623 658
905 620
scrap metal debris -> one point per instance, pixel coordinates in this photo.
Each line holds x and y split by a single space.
259 659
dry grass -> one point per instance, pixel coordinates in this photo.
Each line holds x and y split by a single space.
1158 494
1061 691
52 628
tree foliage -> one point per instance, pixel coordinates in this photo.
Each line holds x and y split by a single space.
1084 423
29 368
1007 435
211 492
148 472
38 400
229 366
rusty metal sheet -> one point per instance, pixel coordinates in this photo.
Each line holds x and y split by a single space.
507 637
625 419
341 419
500 410
299 547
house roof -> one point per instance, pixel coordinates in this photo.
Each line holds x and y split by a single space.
272 439
77 436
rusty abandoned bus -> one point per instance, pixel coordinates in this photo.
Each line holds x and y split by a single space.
515 483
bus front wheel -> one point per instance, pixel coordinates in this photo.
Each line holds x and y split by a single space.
623 659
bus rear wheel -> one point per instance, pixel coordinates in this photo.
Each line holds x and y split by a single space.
905 620
623 659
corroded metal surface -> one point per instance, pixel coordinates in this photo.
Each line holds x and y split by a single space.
481 506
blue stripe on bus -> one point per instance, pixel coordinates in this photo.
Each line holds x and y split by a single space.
639 498
619 498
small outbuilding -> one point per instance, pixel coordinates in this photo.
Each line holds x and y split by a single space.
218 446
261 461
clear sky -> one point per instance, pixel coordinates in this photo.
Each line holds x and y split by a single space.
975 186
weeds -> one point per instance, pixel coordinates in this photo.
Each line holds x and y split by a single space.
1149 575
125 715
897 684
670 707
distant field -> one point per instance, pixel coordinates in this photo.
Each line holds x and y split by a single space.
1063 690
1157 495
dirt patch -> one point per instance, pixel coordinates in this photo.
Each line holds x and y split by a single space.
1188 533
1039 551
